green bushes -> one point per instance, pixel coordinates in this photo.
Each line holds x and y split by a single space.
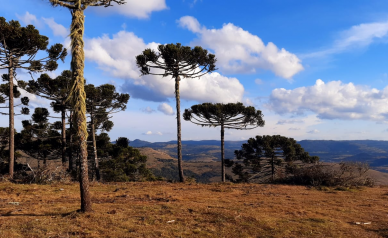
126 164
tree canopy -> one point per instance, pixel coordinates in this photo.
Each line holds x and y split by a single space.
260 156
230 115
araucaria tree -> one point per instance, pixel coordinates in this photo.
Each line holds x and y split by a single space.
18 49
77 96
57 90
227 116
100 102
261 157
178 62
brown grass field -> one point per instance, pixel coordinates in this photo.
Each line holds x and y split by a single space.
161 209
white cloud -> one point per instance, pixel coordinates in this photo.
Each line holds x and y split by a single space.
166 109
249 102
258 81
116 56
294 129
239 51
332 100
360 35
58 29
148 133
29 19
147 110
135 8
315 131
282 122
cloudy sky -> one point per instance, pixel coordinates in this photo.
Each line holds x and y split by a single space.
316 69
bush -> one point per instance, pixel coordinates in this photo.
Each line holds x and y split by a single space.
127 165
346 174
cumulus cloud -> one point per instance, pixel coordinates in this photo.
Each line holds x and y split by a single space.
360 35
58 29
239 51
135 8
116 56
294 129
332 100
166 109
147 110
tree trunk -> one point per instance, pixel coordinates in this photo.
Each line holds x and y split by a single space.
273 168
63 133
178 120
11 121
71 143
78 96
96 167
222 154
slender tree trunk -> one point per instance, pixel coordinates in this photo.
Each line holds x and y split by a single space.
96 167
63 134
178 120
78 98
222 154
273 168
71 143
11 121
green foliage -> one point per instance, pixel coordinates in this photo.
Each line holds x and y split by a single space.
264 156
39 138
17 41
127 164
4 95
231 115
177 60
102 101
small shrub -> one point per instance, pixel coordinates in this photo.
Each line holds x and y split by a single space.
346 174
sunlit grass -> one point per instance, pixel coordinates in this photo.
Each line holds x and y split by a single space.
192 210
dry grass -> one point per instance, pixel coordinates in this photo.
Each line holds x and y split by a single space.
212 210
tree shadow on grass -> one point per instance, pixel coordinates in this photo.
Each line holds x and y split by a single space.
50 214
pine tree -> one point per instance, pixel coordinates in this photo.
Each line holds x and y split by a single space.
178 62
56 90
102 101
261 155
227 116
19 47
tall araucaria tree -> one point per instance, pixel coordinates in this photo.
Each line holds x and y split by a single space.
178 62
56 90
102 101
77 96
227 116
19 47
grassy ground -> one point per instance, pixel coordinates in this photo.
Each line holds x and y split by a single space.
192 210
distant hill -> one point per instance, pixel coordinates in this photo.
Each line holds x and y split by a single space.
162 164
370 151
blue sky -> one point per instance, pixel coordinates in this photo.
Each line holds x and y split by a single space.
316 69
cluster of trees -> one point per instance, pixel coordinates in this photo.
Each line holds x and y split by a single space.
69 96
